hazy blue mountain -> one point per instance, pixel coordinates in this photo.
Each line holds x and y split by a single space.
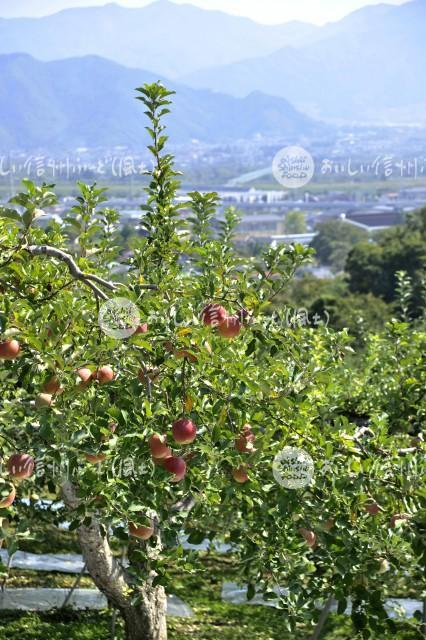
90 101
168 38
368 67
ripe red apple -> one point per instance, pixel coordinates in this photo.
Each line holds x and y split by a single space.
104 374
372 508
184 431
9 350
142 328
213 315
158 447
245 441
95 458
177 466
7 501
309 537
53 386
21 465
43 400
240 475
243 315
86 377
230 327
142 532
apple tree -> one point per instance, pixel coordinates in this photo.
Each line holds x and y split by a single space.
172 428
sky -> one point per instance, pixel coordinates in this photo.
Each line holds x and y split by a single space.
268 11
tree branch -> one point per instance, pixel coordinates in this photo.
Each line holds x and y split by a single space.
74 269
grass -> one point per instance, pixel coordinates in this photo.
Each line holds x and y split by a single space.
212 619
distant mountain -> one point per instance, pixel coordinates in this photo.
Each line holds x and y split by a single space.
367 67
91 102
167 38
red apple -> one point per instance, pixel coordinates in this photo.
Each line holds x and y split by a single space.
177 466
43 400
142 532
372 508
104 375
184 431
7 501
309 537
52 386
21 465
142 328
158 447
213 315
230 327
95 458
86 377
9 350
240 475
245 441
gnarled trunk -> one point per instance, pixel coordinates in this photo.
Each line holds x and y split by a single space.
147 619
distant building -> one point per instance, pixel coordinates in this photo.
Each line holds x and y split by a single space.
292 238
374 220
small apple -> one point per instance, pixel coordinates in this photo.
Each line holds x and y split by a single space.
245 441
142 532
372 508
240 475
84 374
142 328
213 315
21 465
43 400
9 350
95 458
104 374
184 431
53 386
177 466
309 537
6 499
158 447
230 327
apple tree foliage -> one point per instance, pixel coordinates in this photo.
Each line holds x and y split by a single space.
359 418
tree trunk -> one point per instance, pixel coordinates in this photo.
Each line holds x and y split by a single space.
143 621
147 621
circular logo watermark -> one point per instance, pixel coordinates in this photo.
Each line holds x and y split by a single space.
293 167
293 468
119 318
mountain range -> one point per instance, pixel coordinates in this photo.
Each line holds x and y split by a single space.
68 79
90 102
167 38
367 67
